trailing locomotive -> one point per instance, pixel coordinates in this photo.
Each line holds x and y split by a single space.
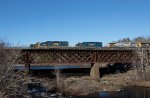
89 44
49 44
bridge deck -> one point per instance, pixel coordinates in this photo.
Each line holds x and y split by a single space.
82 48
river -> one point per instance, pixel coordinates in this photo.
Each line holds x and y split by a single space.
128 92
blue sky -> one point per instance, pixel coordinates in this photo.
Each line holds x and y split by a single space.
31 21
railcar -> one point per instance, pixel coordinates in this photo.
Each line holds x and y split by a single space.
129 44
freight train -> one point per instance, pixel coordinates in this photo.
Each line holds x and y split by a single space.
51 44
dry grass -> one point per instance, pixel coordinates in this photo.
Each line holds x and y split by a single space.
73 86
141 83
79 86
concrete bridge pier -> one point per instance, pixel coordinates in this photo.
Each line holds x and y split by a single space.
27 64
95 73
27 69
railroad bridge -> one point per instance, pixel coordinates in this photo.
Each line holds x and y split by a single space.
81 56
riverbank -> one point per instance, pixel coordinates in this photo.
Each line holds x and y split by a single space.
85 85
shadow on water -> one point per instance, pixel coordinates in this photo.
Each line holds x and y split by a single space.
45 71
68 72
64 72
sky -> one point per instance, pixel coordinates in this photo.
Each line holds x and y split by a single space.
29 21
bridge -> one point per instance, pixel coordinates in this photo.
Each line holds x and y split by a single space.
97 57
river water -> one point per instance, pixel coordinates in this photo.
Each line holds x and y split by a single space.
128 92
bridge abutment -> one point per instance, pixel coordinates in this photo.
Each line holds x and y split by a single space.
95 73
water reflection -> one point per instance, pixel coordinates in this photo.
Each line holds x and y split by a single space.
104 94
129 92
137 92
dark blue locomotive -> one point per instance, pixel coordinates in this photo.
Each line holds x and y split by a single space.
89 44
49 44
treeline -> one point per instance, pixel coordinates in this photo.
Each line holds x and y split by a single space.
137 39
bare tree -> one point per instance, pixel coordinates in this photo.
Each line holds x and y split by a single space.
140 39
141 65
137 39
11 81
124 40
